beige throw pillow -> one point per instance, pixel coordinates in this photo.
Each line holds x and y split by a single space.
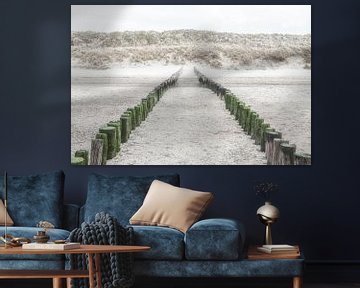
170 206
10 222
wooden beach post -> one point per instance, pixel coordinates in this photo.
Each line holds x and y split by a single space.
131 112
138 115
249 122
254 118
145 107
129 123
111 137
238 112
247 119
77 161
117 126
302 158
125 119
258 127
276 153
264 127
244 114
287 152
104 138
83 154
96 151
232 105
241 113
269 145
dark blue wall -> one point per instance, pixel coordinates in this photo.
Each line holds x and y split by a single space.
318 203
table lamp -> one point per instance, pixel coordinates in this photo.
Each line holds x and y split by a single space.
268 214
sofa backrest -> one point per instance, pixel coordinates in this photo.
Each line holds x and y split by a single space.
120 196
35 198
70 219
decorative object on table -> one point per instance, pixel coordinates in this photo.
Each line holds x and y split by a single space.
11 241
5 215
41 236
268 213
60 241
255 254
116 268
4 238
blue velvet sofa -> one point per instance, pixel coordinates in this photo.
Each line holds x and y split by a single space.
210 248
32 199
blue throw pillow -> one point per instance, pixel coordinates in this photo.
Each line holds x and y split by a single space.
120 196
35 198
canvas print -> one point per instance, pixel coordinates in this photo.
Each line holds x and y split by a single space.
190 84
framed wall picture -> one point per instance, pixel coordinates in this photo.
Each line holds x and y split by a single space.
191 85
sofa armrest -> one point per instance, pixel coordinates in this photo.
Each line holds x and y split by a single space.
71 216
215 239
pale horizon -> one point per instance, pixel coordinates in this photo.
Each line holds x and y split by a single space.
240 19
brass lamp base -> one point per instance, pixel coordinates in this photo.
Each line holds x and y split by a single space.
268 237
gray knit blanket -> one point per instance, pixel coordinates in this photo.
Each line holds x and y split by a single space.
116 268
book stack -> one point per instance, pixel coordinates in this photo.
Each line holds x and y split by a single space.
51 246
278 249
274 252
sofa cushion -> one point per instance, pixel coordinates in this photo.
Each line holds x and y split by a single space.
9 221
29 232
120 196
169 206
35 198
165 243
214 239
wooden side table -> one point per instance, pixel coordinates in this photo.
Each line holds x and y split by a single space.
254 254
93 251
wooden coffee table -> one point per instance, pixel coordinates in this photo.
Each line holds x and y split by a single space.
57 275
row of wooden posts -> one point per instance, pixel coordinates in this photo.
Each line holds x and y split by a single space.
277 150
107 142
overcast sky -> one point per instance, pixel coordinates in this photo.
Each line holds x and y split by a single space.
292 19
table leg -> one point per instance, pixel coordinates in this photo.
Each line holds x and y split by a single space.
68 282
98 270
91 270
297 282
57 283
